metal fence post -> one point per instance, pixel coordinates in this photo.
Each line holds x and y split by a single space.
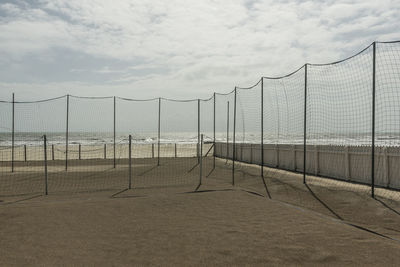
45 163
176 152
79 151
198 130
201 158
234 139
66 135
214 131
305 126
105 151
159 130
373 122
130 161
227 133
52 151
114 133
25 157
13 133
262 129
262 137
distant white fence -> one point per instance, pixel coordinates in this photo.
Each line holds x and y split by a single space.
348 163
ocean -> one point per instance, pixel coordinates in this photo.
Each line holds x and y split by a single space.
97 138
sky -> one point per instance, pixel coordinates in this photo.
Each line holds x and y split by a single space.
179 49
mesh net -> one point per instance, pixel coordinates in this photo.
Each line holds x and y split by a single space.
24 156
88 146
76 144
140 120
387 168
207 129
90 156
248 138
283 130
224 104
6 148
339 108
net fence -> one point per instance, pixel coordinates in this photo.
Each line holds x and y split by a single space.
340 121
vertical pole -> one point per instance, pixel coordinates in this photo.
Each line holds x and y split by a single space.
373 122
214 131
130 161
45 164
234 139
262 137
305 126
13 133
52 151
152 150
198 131
159 130
114 134
386 173
201 158
251 157
25 157
347 163
79 154
66 135
176 153
262 128
227 134
105 151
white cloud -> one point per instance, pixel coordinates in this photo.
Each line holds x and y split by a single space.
187 48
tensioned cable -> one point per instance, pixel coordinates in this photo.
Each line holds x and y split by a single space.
388 42
92 97
343 60
207 99
36 101
250 87
137 100
320 64
231 92
284 76
179 100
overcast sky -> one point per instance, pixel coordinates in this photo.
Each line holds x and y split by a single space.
177 49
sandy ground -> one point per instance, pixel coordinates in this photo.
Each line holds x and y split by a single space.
57 151
162 222
171 227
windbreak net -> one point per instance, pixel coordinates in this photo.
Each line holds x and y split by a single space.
283 135
6 118
224 116
207 129
339 119
92 155
139 119
23 151
332 125
284 121
248 132
177 159
387 137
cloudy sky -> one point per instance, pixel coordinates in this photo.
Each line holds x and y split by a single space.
176 48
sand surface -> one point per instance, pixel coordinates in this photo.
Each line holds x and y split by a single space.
170 227
91 218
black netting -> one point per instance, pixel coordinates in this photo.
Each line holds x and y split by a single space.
339 109
96 143
387 168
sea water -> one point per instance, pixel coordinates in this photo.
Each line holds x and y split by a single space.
97 138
